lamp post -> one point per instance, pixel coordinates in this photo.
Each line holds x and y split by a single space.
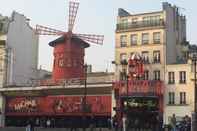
124 64
85 96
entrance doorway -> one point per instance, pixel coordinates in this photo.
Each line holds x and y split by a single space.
142 113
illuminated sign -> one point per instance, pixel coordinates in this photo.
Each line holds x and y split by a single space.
141 103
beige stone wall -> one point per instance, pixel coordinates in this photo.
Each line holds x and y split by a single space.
178 109
139 48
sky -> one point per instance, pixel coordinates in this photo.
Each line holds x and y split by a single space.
94 17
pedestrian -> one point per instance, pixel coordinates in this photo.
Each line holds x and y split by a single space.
92 123
124 123
188 123
37 122
109 123
173 122
28 127
48 123
115 123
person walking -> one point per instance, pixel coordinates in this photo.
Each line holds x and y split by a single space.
115 123
124 122
173 122
92 123
48 123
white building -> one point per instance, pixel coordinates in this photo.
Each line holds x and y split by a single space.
21 50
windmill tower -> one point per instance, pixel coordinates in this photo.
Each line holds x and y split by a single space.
69 48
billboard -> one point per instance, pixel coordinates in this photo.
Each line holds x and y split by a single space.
58 105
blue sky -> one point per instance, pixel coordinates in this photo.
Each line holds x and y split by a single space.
94 17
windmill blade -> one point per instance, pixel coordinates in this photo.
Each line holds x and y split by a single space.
97 39
73 7
43 30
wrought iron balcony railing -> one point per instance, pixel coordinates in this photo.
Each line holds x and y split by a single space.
140 24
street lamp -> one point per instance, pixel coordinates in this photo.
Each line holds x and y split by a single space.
85 96
125 77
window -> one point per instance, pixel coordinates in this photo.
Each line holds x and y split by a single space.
134 39
61 62
123 41
123 57
54 63
182 97
68 62
145 56
145 38
157 75
171 97
146 75
146 20
156 56
1 26
182 77
134 21
124 23
156 37
171 79
153 20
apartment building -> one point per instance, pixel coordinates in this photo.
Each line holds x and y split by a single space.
20 46
160 39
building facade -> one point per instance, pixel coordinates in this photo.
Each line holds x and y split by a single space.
160 39
21 49
18 53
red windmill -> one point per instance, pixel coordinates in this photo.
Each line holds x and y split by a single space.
69 49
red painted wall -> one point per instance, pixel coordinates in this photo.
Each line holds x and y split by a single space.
58 105
68 61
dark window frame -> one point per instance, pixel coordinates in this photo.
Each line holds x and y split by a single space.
145 60
171 78
131 40
171 98
156 41
155 58
182 97
123 41
157 75
145 42
182 77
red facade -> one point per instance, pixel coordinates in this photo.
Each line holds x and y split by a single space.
68 60
138 89
139 86
58 105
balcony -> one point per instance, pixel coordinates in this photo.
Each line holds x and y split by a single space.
138 25
139 87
